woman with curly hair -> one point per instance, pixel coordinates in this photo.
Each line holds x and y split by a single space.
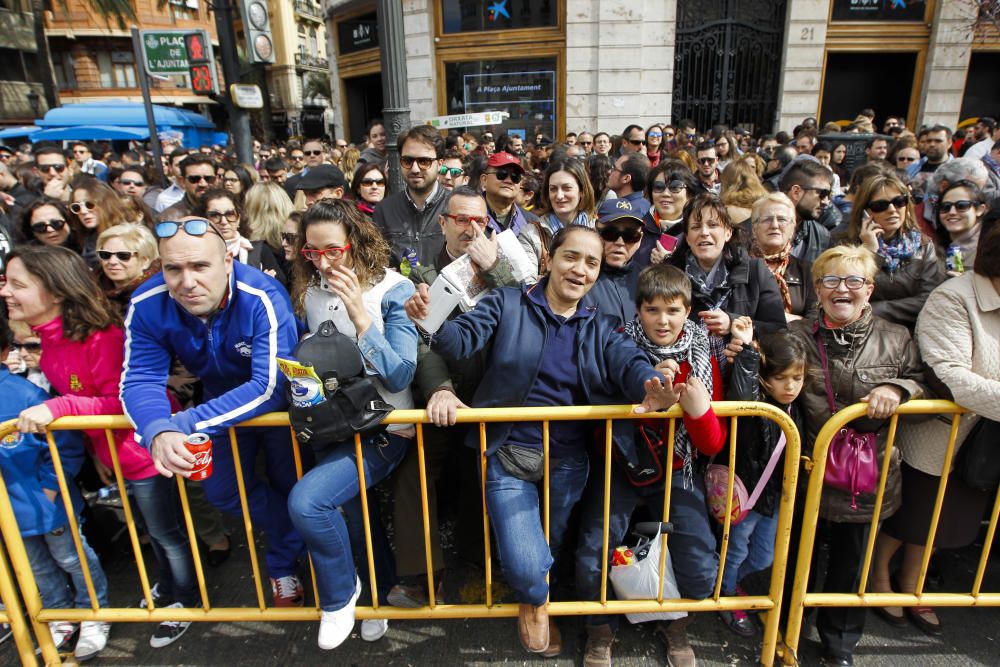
339 274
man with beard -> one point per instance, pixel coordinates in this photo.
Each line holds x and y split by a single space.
197 177
409 219
808 183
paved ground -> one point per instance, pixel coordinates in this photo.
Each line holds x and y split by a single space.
971 635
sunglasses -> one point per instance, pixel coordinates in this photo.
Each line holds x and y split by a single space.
612 234
312 153
906 159
454 171
198 179
586 143
373 181
422 162
60 168
466 220
333 252
193 227
674 186
668 135
504 173
706 160
43 226
27 347
120 255
297 157
129 182
825 193
80 207
216 216
833 282
654 135
960 205
637 142
289 237
882 205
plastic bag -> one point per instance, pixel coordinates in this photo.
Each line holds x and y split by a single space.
637 581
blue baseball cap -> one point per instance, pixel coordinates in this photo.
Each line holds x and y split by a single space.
618 209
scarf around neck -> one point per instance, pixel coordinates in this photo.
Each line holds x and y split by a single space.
777 264
555 224
896 252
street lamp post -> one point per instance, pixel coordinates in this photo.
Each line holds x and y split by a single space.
396 112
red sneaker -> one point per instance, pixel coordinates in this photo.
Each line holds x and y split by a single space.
287 591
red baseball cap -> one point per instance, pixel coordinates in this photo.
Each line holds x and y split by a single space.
504 159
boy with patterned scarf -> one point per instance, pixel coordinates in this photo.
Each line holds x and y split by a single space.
680 350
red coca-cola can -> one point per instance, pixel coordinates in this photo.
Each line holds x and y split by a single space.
200 445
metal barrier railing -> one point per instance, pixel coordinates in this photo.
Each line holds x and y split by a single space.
40 616
801 598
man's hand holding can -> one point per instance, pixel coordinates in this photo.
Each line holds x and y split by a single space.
171 455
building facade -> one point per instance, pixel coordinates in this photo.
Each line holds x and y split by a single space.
298 81
568 65
22 96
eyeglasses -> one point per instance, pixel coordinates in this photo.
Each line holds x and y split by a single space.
504 173
454 171
772 219
194 227
127 182
43 226
60 168
668 135
79 207
960 205
706 160
882 205
373 181
637 142
674 186
297 157
311 153
900 158
628 235
80 151
216 216
27 347
198 179
120 255
333 252
422 162
833 282
823 193
289 237
466 220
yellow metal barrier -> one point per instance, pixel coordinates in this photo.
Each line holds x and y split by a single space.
39 617
801 598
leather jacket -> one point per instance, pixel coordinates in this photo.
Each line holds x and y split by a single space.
899 296
876 353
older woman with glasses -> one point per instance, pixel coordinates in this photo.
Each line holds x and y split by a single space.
221 209
773 228
883 222
128 256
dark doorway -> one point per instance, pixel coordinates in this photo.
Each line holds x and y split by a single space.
982 95
363 95
854 81
728 62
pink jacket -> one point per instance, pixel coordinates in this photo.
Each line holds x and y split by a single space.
87 375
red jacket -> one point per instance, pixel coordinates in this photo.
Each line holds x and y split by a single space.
87 375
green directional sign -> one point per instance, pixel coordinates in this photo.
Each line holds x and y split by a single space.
163 51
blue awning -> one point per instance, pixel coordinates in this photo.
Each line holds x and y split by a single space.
91 133
18 131
195 128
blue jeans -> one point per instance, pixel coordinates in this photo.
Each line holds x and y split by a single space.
514 507
691 545
314 505
268 502
53 556
751 549
159 503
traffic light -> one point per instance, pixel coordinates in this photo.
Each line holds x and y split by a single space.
257 28
201 63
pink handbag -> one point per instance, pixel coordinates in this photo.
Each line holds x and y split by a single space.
851 462
717 480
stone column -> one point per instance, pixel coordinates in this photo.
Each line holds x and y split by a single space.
947 63
418 24
802 62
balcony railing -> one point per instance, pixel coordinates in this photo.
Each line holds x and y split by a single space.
306 60
309 9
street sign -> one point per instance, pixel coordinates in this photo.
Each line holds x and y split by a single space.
246 96
164 51
468 120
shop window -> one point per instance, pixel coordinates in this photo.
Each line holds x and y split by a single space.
485 15
525 89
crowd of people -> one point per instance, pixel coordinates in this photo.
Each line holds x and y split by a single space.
668 265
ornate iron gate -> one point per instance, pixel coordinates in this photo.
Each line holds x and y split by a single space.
728 60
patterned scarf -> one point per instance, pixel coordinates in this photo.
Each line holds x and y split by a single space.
777 264
713 289
555 224
693 347
898 250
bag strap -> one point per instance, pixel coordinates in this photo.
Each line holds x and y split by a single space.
768 471
826 371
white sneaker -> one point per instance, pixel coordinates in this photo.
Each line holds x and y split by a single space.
336 626
93 639
61 632
373 629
